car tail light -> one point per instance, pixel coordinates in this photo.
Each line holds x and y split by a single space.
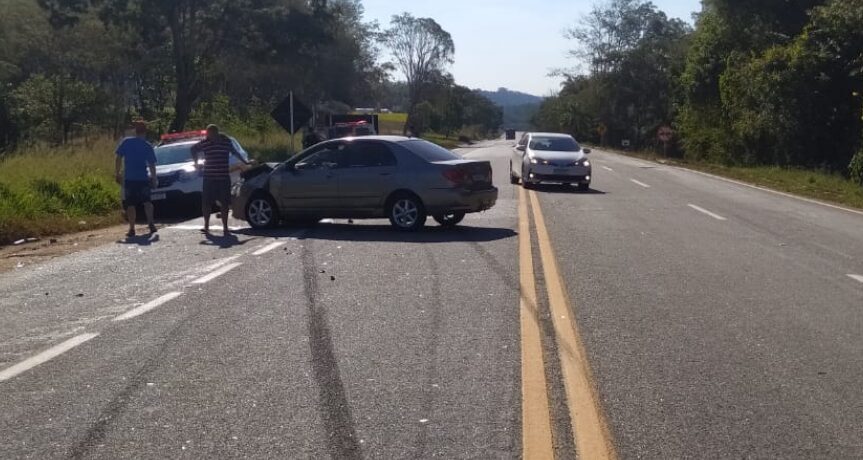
456 175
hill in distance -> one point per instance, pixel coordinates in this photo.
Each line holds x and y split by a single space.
507 98
518 108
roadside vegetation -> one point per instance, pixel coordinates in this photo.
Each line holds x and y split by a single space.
74 75
769 92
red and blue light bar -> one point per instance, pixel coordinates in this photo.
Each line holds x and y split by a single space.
184 135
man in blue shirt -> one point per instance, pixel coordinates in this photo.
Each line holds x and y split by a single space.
135 156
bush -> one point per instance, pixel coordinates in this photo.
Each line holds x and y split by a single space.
856 168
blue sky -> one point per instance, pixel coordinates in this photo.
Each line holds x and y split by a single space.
509 43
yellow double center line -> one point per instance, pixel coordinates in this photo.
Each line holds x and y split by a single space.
590 429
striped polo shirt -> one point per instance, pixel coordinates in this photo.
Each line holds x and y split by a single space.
216 154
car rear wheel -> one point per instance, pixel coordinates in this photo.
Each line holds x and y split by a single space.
583 187
406 212
513 179
449 220
261 212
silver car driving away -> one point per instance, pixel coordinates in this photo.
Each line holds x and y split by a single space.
403 179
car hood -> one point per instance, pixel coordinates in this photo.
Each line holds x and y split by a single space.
557 156
171 168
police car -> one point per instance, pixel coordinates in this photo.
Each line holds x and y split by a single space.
180 184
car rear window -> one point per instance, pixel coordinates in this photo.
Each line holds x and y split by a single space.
430 152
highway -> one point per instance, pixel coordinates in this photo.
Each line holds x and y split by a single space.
663 314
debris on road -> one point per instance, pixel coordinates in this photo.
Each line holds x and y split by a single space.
79 295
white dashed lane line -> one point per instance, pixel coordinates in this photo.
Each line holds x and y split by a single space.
642 184
45 356
216 274
856 277
704 211
268 248
607 168
138 311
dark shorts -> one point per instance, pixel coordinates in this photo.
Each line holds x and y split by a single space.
137 192
217 189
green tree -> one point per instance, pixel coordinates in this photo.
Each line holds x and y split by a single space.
422 50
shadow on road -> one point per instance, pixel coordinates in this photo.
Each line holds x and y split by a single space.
385 233
566 189
141 240
223 241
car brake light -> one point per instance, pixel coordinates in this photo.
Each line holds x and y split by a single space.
456 176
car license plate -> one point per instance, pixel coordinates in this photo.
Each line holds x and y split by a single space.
561 171
157 196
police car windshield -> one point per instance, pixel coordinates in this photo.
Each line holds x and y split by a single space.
173 153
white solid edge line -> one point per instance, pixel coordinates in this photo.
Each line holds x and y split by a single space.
639 183
268 248
46 355
856 277
138 311
704 211
216 273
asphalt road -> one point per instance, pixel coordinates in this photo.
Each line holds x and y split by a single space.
664 314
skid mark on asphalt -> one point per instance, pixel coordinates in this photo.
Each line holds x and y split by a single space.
96 433
432 345
332 401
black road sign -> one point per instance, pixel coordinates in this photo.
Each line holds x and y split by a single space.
282 114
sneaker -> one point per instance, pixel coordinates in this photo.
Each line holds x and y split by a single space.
153 229
130 233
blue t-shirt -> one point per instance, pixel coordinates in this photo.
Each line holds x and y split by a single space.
137 154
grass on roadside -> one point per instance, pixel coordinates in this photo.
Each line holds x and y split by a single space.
807 183
55 190
48 191
441 140
392 123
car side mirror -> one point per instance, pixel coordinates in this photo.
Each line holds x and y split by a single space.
521 148
586 151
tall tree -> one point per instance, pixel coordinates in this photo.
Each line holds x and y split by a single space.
422 50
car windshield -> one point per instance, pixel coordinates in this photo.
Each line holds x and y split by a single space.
173 154
554 144
430 152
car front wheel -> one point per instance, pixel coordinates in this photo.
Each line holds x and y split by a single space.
449 220
261 212
406 213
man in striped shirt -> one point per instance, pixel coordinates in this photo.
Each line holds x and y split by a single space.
215 150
